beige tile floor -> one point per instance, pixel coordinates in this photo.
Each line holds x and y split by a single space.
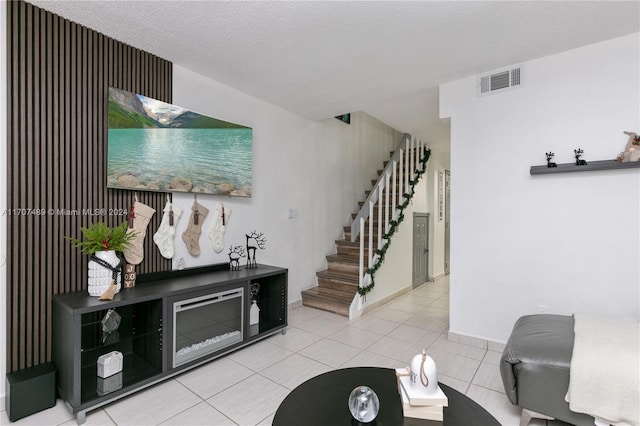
247 386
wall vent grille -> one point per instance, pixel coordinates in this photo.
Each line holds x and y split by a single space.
507 78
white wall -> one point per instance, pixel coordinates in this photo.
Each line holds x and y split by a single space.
3 205
320 169
566 241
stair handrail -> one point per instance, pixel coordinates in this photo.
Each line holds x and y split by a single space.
401 168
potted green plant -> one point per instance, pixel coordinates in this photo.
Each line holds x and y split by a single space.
102 242
100 237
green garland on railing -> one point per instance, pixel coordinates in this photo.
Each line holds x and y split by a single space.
381 252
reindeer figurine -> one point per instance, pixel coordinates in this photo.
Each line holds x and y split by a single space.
578 153
235 253
549 157
254 241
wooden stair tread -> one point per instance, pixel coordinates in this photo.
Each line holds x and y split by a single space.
347 229
352 250
321 299
354 244
335 296
351 278
354 258
345 242
342 258
366 230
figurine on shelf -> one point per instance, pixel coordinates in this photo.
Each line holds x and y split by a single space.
549 157
631 150
235 253
254 241
254 290
578 153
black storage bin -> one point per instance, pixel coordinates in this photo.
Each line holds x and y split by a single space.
30 390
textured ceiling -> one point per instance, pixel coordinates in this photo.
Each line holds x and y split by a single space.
321 59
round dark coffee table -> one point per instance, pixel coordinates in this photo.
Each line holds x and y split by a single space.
322 401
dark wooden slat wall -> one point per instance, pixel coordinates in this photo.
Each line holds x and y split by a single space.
58 75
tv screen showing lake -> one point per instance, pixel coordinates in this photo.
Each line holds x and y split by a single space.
156 146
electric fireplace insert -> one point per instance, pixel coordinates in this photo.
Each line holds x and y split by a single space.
206 324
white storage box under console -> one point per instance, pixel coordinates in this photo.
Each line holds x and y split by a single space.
109 364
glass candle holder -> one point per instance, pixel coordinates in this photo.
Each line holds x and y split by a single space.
364 404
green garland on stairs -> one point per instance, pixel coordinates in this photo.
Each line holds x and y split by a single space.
408 196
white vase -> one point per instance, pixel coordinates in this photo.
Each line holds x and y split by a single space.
254 319
99 276
423 370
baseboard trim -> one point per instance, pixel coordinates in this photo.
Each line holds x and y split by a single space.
440 275
374 305
295 304
477 342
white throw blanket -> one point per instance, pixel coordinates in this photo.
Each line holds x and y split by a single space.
605 369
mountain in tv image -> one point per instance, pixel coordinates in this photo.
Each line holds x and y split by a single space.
128 110
156 146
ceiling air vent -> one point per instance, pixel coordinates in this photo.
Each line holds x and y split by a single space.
509 78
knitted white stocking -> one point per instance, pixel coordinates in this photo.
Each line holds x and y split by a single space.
166 232
216 231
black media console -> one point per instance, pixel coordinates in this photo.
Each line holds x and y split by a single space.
169 322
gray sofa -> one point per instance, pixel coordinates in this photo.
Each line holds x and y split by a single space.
535 368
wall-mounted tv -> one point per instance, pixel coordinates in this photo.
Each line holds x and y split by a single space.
156 146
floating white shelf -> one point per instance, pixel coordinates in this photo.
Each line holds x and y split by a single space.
591 166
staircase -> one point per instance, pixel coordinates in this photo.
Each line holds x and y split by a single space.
338 284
